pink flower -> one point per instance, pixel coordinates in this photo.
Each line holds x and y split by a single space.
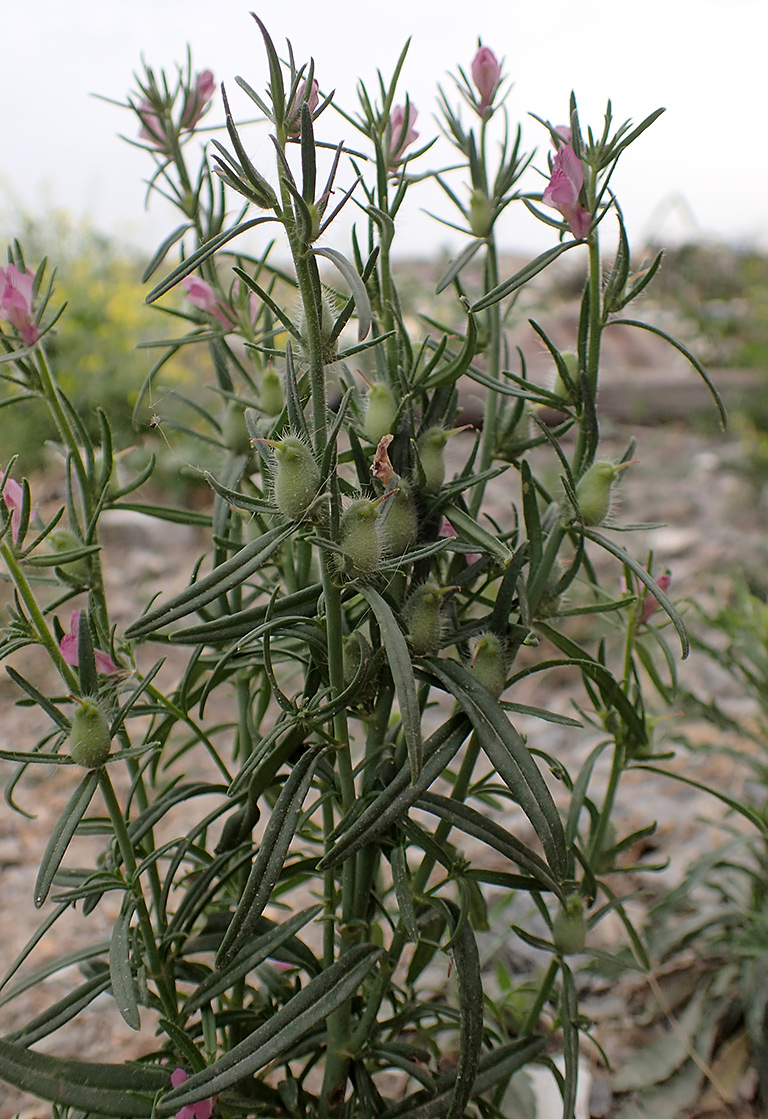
197 100
16 302
201 1110
564 131
151 127
12 496
68 649
312 99
650 604
402 132
201 295
563 190
486 74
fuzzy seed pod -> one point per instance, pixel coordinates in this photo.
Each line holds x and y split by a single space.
481 213
432 456
355 651
559 388
380 414
593 492
88 741
569 928
297 478
233 429
74 571
271 395
398 523
358 538
489 664
421 614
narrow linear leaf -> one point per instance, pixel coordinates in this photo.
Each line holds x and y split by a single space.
402 674
166 513
124 1091
164 249
393 803
450 373
401 882
644 577
524 275
123 982
302 1013
508 754
39 699
472 822
61 837
62 1011
271 856
471 532
494 1068
686 354
243 622
222 579
356 286
458 264
32 979
466 959
569 1010
206 250
259 950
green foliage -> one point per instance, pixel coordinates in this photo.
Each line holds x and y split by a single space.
353 625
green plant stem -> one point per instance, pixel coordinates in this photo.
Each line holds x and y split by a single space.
598 836
547 983
156 969
36 617
310 291
97 597
56 408
539 578
595 313
488 441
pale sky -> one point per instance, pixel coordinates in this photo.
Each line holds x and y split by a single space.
702 168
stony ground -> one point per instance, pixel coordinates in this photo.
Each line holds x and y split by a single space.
713 522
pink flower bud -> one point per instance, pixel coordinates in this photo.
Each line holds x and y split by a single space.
151 127
563 190
198 99
12 496
201 295
68 649
650 604
16 297
312 98
402 132
486 74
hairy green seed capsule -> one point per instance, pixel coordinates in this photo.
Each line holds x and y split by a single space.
569 928
571 362
380 414
359 539
480 213
593 492
432 457
398 523
75 571
297 478
233 429
89 741
421 614
489 664
271 395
